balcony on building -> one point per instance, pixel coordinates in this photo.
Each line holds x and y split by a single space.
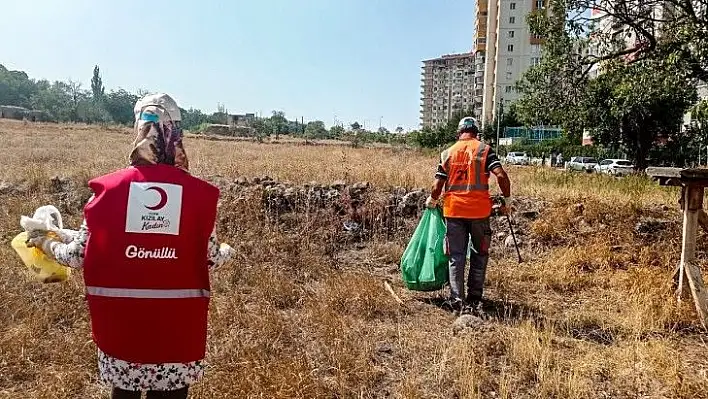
481 43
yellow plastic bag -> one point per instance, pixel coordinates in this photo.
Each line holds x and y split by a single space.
42 267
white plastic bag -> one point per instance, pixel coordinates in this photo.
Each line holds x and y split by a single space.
46 220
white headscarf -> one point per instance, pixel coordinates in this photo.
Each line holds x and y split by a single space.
158 132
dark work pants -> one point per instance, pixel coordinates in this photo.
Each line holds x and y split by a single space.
459 232
122 394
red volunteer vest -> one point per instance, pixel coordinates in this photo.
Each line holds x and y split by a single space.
145 266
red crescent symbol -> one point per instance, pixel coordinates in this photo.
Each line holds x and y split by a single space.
163 198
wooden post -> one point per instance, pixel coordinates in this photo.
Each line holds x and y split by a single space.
693 201
688 245
688 273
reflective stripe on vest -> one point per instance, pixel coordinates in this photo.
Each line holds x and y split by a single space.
478 159
147 293
468 187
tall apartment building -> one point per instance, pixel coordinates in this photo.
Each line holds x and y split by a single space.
447 87
504 49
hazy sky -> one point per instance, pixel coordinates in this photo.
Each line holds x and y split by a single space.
356 59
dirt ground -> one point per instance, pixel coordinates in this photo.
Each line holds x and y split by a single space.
301 311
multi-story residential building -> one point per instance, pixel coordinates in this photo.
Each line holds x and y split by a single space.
480 54
506 48
447 87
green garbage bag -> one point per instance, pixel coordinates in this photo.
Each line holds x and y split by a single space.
424 263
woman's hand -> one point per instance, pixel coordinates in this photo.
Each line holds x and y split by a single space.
39 239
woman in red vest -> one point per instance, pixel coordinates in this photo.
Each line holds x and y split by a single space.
146 247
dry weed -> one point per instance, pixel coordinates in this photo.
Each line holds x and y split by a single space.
301 311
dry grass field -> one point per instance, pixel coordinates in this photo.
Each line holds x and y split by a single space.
301 312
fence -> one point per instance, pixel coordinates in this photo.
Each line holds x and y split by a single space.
535 135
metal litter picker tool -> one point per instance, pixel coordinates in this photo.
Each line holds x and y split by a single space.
498 203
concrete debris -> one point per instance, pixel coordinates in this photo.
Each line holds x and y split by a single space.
467 321
6 188
649 225
411 202
579 209
384 348
60 184
509 241
532 215
338 185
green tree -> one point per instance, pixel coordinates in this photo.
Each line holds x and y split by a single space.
662 30
278 123
76 95
92 111
193 118
16 88
54 99
316 130
336 131
639 97
262 127
97 88
119 104
440 135
355 126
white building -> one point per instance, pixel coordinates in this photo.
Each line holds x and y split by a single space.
447 87
506 48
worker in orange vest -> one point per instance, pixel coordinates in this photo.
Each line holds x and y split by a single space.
463 173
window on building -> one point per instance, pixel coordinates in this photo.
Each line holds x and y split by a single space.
508 76
509 89
510 48
509 61
512 20
535 61
512 6
540 4
511 34
535 49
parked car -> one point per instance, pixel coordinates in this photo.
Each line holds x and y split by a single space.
615 167
586 164
518 158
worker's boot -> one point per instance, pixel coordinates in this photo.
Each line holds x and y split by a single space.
473 306
454 305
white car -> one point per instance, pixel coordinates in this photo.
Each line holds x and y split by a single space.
582 164
615 167
518 158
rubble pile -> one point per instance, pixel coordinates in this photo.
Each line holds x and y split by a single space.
283 197
358 206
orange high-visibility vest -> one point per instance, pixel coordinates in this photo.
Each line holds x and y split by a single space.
467 185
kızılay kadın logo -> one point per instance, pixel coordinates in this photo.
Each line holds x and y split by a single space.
154 208
163 198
